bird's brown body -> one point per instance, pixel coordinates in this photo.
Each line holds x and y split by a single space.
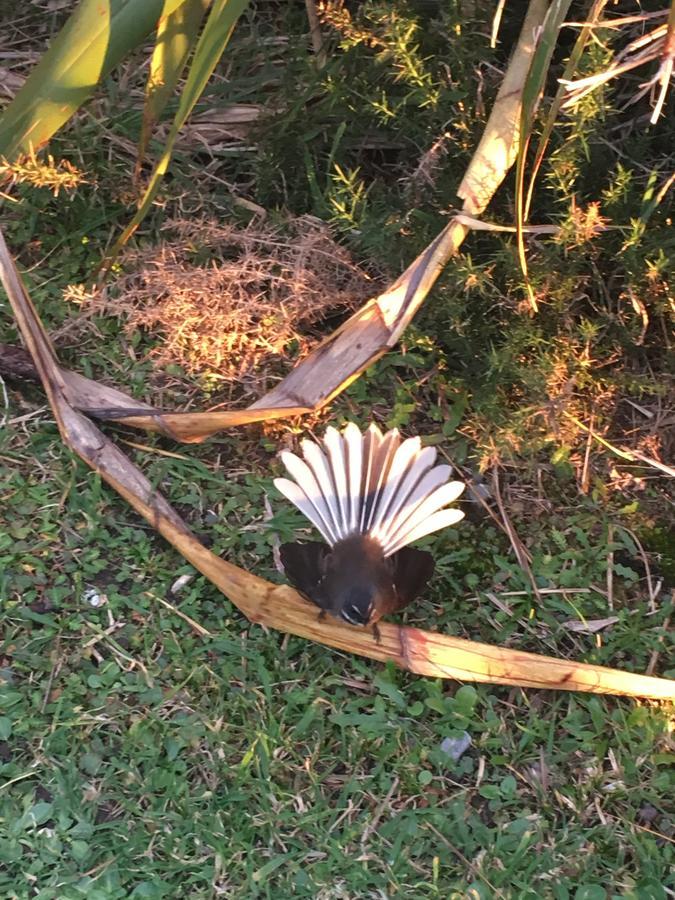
353 580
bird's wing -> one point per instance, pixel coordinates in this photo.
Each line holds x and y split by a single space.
304 567
412 570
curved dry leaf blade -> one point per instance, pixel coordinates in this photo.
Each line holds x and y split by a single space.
498 146
279 606
371 331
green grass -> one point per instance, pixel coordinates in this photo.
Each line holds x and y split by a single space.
139 759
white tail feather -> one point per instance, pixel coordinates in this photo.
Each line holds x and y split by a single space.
338 467
371 448
422 512
298 498
381 465
405 491
441 519
400 464
428 483
306 481
373 484
354 455
316 460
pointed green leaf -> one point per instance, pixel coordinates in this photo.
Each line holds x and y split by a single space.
532 89
212 43
176 37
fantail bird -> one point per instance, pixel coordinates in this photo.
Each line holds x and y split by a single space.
369 496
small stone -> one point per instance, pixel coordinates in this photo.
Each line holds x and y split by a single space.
180 583
94 598
456 747
648 813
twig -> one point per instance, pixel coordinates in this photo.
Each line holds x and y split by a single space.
27 416
101 634
519 548
628 455
542 591
377 815
315 32
610 569
665 70
480 225
201 631
622 20
587 458
641 409
662 467
496 21
653 591
5 403
276 544
654 658
156 450
52 675
660 42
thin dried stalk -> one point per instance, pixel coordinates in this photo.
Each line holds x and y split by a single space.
628 455
656 44
315 32
279 606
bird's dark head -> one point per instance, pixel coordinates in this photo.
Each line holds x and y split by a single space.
357 585
356 604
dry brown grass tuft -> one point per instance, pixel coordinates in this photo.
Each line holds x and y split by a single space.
228 301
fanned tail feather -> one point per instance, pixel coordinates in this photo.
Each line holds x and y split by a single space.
402 462
403 488
338 467
441 519
380 472
371 448
422 515
317 462
373 484
354 456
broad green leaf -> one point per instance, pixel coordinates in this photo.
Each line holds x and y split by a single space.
212 43
96 37
37 815
532 89
176 37
261 875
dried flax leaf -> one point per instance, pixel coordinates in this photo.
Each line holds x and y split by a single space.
378 325
279 606
498 146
